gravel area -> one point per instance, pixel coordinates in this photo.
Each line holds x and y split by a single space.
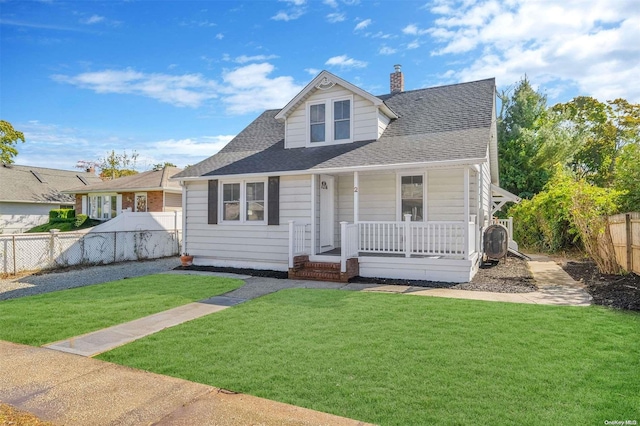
60 279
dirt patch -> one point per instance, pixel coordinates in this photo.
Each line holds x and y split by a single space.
616 291
510 276
11 416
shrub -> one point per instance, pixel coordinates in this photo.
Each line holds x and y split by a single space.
62 215
80 220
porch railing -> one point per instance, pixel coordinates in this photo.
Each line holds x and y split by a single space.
349 238
297 240
507 223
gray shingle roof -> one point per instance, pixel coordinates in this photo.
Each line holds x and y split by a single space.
39 184
153 179
436 124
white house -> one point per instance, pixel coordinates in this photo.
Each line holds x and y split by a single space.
340 182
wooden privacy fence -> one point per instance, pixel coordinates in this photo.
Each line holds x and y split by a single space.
625 233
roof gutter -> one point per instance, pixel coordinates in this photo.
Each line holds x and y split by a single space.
425 164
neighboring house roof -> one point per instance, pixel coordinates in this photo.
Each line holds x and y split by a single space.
439 124
28 184
153 180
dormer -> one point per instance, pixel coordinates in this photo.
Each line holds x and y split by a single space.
332 111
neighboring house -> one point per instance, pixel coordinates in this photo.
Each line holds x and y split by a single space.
150 191
27 194
396 186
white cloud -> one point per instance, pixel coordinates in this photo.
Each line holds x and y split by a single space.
93 19
331 3
249 89
413 45
219 36
188 90
386 50
243 59
362 25
312 71
336 17
295 2
194 149
413 29
564 44
243 90
344 61
296 11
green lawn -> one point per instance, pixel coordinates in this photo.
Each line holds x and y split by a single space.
50 317
409 360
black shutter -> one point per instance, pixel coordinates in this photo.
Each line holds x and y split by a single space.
273 215
213 202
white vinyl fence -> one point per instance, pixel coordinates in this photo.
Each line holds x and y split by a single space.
32 252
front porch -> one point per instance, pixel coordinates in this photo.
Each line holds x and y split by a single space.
436 251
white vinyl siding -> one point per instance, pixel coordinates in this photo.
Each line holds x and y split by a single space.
364 120
261 243
445 195
20 217
383 122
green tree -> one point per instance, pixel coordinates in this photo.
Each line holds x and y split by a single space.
115 165
600 131
9 138
627 177
522 116
162 165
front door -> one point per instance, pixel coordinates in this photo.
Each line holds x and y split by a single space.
326 213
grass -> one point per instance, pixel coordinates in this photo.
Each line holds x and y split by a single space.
400 360
50 317
64 226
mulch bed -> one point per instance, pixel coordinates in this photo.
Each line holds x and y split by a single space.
616 291
510 276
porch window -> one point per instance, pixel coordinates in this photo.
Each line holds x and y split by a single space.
342 119
317 121
244 201
231 201
412 197
255 201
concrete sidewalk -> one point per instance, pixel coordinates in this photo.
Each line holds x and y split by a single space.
72 390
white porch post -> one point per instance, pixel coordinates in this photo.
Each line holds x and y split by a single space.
291 239
343 251
356 197
313 216
407 235
466 212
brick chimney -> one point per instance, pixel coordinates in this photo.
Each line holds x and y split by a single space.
397 80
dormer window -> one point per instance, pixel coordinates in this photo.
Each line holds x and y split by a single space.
329 121
342 120
317 122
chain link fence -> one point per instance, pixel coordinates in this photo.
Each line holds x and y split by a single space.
33 252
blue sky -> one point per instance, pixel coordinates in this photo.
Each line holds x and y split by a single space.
176 80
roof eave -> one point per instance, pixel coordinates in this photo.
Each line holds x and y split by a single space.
329 170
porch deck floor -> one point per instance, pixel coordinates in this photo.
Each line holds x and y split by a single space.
338 251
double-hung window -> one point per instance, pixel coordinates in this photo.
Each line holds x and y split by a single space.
342 120
317 123
330 121
412 197
243 201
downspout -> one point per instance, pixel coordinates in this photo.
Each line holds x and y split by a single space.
185 189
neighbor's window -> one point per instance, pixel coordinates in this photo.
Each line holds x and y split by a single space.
341 119
255 201
317 131
231 201
412 195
